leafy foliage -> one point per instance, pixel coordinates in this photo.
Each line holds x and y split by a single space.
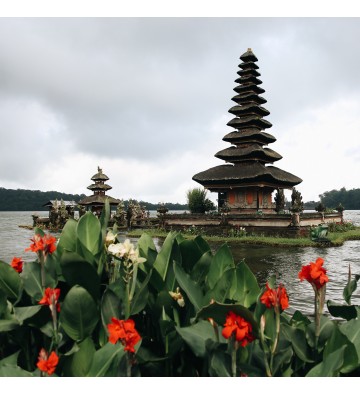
198 202
179 299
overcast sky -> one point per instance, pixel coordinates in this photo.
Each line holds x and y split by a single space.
147 100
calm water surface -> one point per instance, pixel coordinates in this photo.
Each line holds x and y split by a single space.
264 261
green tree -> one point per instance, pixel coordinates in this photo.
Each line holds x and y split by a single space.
198 202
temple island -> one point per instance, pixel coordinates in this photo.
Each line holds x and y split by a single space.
246 182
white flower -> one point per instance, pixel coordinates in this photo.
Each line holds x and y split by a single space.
115 249
110 238
178 297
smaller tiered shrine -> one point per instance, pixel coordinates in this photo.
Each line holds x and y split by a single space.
95 202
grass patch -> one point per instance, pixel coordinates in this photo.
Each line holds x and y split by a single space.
335 238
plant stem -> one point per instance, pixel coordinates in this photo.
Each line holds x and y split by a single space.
128 364
133 284
42 268
233 345
273 349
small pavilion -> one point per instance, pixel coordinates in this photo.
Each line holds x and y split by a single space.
246 183
96 201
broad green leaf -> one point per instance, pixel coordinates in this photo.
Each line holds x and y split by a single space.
350 287
8 325
3 302
195 336
10 281
163 258
146 243
23 313
11 359
106 360
78 364
79 313
14 371
31 276
326 328
222 261
282 359
220 364
298 341
351 330
218 312
337 340
202 244
221 289
111 306
246 289
89 232
348 312
190 254
140 298
187 285
77 271
67 240
201 268
331 366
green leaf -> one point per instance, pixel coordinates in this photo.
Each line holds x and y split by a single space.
246 289
111 306
141 296
297 338
23 313
106 360
330 367
77 271
8 325
326 328
79 314
202 244
221 289
192 289
104 218
347 312
14 371
89 232
163 258
201 268
11 359
31 276
218 312
3 302
10 281
146 243
195 336
78 364
282 360
351 330
221 262
67 240
350 287
220 364
190 254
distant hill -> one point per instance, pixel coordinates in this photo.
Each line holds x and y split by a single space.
28 200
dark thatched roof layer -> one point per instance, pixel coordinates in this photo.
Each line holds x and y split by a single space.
249 88
244 98
98 200
99 176
252 152
239 123
248 109
249 135
255 73
248 56
99 187
248 79
246 174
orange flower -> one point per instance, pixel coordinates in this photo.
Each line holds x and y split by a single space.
46 243
314 273
275 297
47 363
17 264
123 330
50 298
242 329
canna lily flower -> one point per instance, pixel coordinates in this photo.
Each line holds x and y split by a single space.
50 298
110 238
275 297
314 273
238 325
47 243
47 363
124 330
17 264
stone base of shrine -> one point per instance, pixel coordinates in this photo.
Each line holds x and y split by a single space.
257 224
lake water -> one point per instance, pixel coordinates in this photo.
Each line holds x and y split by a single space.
264 261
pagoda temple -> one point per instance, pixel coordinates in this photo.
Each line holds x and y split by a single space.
246 182
96 201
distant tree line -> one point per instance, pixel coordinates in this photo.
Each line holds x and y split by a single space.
349 199
28 200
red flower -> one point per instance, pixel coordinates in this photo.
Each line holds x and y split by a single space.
275 297
46 243
314 273
17 264
242 329
123 330
50 298
47 363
